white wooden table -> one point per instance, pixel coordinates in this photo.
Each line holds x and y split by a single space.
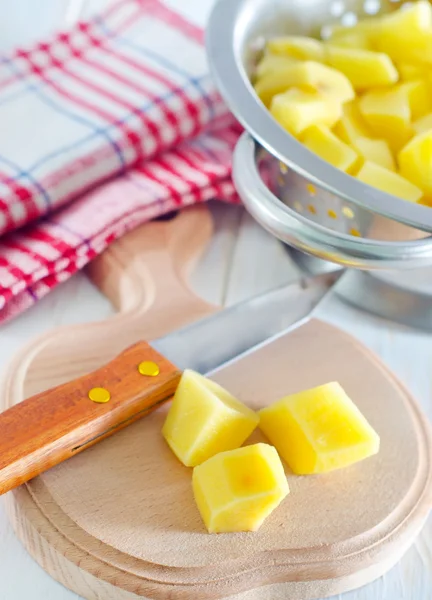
243 260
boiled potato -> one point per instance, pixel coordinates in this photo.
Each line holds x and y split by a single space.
360 99
296 110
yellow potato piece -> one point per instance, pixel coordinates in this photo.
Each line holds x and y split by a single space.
272 63
406 35
319 430
309 76
296 110
409 71
352 129
389 182
237 490
322 141
388 114
419 97
376 151
364 32
351 124
303 48
423 124
350 38
415 161
205 419
364 68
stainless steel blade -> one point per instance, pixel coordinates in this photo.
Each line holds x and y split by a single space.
211 342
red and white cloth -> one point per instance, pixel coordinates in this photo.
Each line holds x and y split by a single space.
102 128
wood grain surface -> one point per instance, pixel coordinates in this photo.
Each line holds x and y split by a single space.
52 426
242 260
122 513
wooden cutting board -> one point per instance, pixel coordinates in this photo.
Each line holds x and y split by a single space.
118 521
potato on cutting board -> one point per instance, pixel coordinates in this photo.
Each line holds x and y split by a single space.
315 431
205 419
319 430
237 490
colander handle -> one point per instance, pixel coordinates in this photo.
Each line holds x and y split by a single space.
313 238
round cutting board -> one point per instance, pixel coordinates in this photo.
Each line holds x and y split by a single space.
119 522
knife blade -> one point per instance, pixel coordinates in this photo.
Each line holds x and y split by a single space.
52 426
213 341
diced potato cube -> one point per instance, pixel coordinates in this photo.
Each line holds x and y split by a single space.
301 47
351 124
419 97
406 35
389 182
350 38
309 76
322 141
237 490
205 419
272 63
388 114
352 129
409 71
415 161
296 110
272 84
365 31
423 124
364 68
319 430
376 151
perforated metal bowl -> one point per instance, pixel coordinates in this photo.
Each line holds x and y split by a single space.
303 200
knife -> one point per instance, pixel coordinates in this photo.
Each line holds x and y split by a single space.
52 426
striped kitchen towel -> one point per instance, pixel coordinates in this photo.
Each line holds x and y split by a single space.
103 127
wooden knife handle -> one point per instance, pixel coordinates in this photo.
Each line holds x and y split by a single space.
52 426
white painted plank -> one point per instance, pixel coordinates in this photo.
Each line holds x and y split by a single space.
74 301
260 262
210 278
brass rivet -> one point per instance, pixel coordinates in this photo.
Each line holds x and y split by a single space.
332 214
283 167
99 395
149 368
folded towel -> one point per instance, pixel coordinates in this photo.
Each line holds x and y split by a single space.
103 127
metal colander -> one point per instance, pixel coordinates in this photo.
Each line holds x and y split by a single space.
302 199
